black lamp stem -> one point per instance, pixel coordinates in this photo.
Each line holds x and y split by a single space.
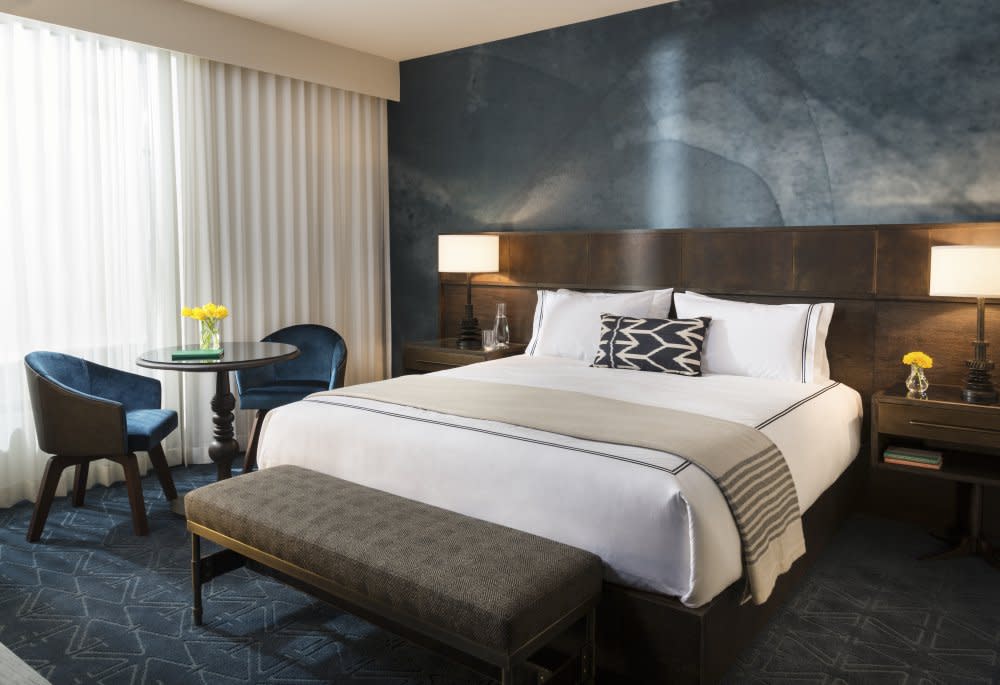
981 329
470 337
979 388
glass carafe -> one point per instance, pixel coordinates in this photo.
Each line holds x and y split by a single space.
501 329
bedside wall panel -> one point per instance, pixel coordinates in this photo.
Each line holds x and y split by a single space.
944 330
520 308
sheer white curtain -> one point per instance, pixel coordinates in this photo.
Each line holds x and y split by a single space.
133 181
88 227
284 218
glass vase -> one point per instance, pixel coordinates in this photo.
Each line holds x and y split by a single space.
501 328
917 383
210 335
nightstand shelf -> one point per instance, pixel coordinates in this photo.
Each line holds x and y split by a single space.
956 466
968 435
438 355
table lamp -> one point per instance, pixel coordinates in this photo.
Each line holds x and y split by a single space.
469 254
970 271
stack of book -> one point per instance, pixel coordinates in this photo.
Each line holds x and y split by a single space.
909 456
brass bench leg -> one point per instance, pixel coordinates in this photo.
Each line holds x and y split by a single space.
506 676
196 577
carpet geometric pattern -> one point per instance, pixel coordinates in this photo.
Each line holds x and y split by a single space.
869 612
94 604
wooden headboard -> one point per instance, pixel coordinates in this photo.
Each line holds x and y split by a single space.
877 275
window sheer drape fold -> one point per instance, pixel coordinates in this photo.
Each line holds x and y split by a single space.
134 180
291 178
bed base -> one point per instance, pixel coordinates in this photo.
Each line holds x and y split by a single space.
648 638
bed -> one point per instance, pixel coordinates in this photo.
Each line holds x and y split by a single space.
659 523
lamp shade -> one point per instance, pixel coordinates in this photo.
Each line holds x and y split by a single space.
468 254
965 271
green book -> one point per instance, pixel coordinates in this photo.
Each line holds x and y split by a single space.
196 353
914 455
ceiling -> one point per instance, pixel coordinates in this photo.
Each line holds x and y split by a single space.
404 29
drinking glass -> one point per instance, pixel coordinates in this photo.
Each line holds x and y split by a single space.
489 340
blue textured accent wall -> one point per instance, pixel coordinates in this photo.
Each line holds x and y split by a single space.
695 114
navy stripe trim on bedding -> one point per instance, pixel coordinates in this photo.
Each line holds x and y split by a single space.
673 471
786 411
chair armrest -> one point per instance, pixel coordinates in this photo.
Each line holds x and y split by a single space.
74 424
131 390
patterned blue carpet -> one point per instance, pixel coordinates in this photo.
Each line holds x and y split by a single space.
869 612
94 604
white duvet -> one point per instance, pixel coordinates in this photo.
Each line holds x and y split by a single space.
670 533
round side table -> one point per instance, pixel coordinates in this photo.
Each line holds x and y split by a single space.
236 355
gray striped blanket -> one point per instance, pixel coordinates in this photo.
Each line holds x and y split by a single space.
750 471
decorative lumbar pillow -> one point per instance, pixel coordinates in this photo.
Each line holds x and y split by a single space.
780 341
567 323
661 345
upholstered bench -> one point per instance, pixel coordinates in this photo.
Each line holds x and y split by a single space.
490 592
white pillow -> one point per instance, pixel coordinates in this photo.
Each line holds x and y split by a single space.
781 341
568 323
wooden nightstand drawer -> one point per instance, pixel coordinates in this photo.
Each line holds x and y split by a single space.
422 359
940 424
438 355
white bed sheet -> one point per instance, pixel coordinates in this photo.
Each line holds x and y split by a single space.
663 530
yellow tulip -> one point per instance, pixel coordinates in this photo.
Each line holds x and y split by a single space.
186 311
924 361
221 312
198 314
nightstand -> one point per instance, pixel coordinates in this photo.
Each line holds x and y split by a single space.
437 355
967 434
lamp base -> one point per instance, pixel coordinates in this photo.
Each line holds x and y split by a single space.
979 388
470 336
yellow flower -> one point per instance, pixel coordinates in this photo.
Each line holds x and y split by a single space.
198 314
221 311
209 310
920 359
186 311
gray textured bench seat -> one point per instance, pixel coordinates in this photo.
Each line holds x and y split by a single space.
492 592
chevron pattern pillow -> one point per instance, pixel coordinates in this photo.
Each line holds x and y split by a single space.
661 345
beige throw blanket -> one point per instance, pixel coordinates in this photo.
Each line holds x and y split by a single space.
749 470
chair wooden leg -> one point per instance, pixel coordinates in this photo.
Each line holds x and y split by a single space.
46 493
196 578
250 458
159 461
80 483
133 483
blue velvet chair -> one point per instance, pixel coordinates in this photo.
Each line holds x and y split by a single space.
320 366
85 412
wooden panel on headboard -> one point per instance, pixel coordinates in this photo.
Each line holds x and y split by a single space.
738 261
835 262
635 259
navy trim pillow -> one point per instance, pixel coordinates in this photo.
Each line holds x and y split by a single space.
660 345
